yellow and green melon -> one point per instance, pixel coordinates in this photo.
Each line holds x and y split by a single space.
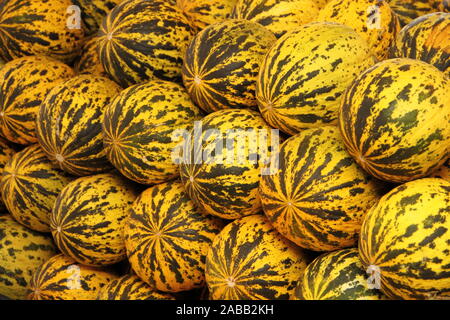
202 13
250 260
29 187
88 219
408 10
304 75
24 84
69 124
374 20
139 129
22 251
94 11
318 196
167 239
30 27
61 278
395 119
89 61
278 16
405 240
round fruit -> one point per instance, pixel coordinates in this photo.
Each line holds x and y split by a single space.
167 240
443 172
6 152
94 11
427 38
61 278
222 63
223 161
304 74
408 10
139 130
88 219
24 83
395 119
38 28
374 20
321 3
69 124
249 260
405 240
130 287
21 252
29 187
202 13
319 195
89 60
338 275
277 16
140 40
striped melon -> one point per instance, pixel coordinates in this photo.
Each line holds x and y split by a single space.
374 20
6 152
29 187
89 60
202 13
443 172
222 63
223 161
338 275
408 10
321 3
61 278
167 239
139 126
428 39
140 40
21 253
405 239
69 124
395 119
249 260
24 83
319 195
278 16
88 219
130 287
94 11
30 27
304 75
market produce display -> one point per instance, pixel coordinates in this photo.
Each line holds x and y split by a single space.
224 150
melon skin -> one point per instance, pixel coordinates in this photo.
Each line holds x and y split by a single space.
225 184
278 16
24 84
202 13
167 239
408 10
88 219
222 63
141 40
22 251
426 38
130 287
89 60
6 152
374 20
337 275
304 75
29 27
395 120
69 124
61 278
139 126
94 11
318 196
405 236
250 260
29 186
443 172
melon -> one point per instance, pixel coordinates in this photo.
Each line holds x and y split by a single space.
69 124
94 11
88 218
24 84
443 172
304 75
395 119
89 60
202 13
408 10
